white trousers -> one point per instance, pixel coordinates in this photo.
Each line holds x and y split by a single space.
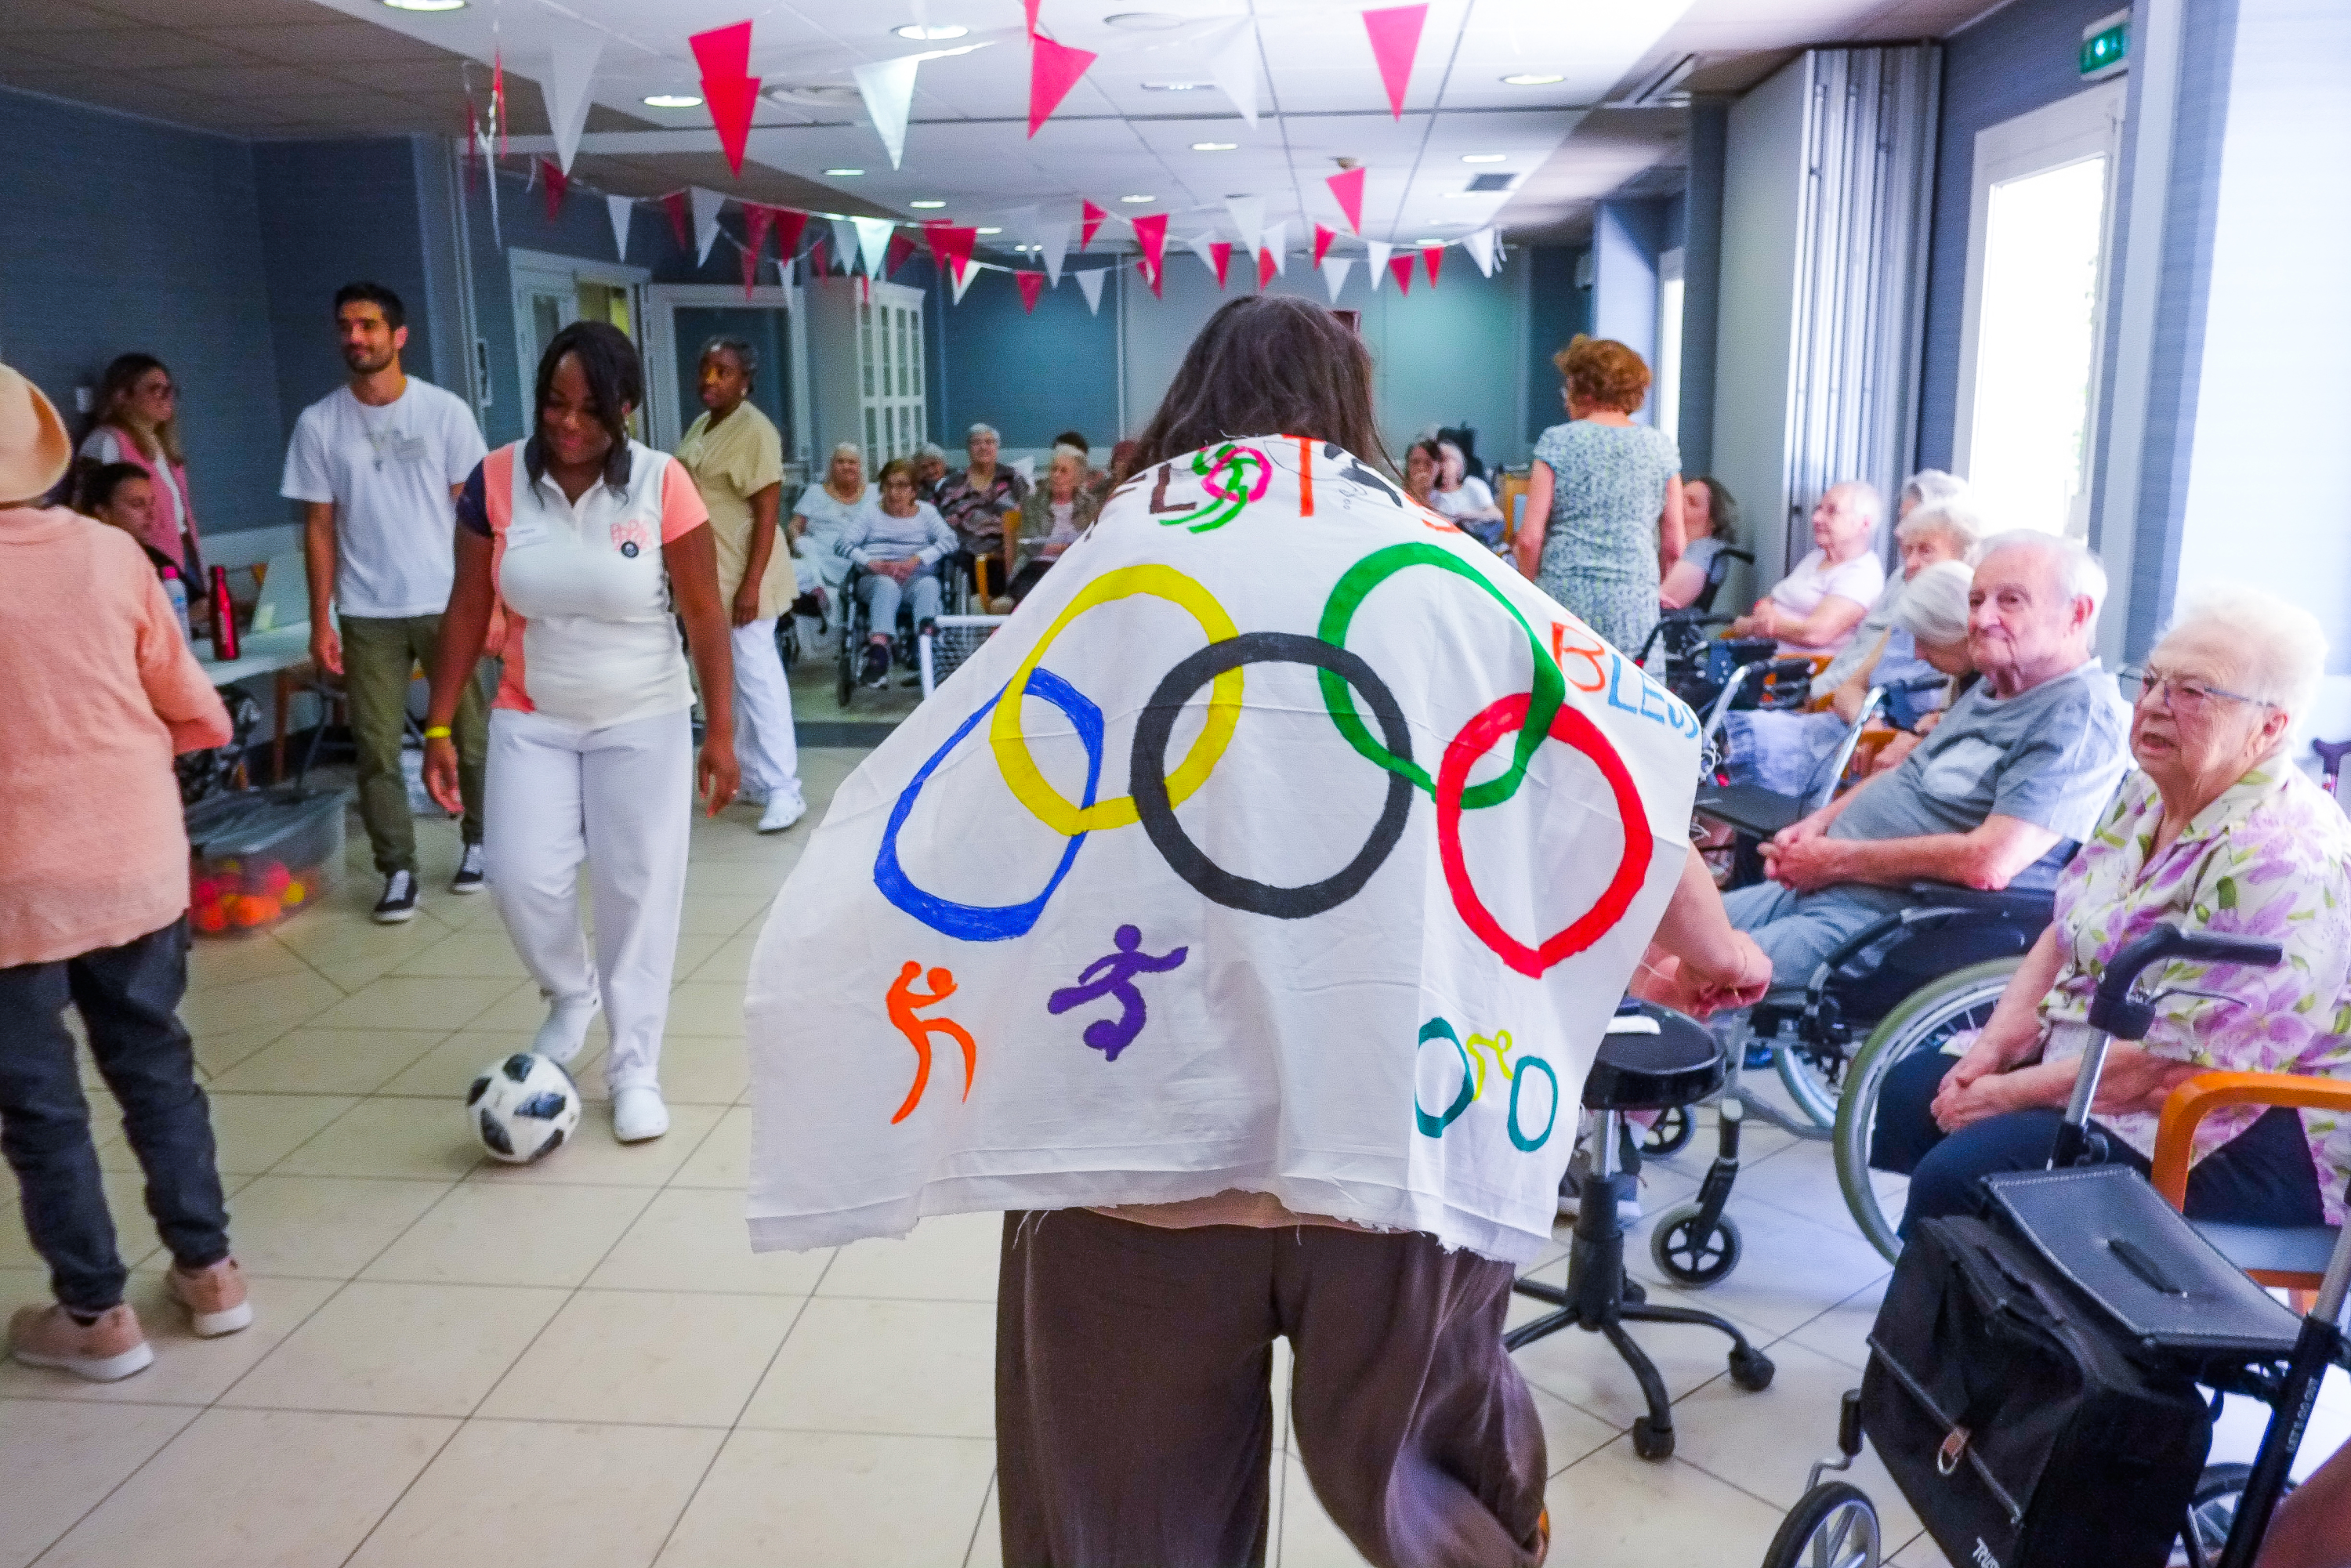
621 799
764 746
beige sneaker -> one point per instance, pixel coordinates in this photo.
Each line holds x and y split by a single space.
214 1297
110 1349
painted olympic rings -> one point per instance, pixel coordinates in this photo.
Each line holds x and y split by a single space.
979 922
1021 775
1525 1145
1570 725
1549 686
1433 1126
1155 799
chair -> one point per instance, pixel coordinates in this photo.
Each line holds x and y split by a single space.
1511 495
2289 1257
1653 1059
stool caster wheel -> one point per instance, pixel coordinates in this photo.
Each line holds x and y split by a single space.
1832 1523
1670 1133
1688 1256
1751 1370
1650 1443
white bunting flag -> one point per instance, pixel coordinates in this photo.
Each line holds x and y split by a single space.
1090 285
1481 247
1053 245
1377 261
1200 244
706 204
874 243
619 209
1232 66
888 87
1249 218
1277 236
962 280
576 53
844 242
1335 274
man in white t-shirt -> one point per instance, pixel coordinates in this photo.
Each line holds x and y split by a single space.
378 464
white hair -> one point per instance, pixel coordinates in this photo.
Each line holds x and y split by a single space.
848 449
1066 450
2280 648
930 449
1864 495
1953 517
1931 486
976 431
1934 604
2079 574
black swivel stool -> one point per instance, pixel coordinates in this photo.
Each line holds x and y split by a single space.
1678 1065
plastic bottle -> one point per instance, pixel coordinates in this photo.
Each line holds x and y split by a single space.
177 593
225 638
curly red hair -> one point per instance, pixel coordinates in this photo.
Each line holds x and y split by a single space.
1603 372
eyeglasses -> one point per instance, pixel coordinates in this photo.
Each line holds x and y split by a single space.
158 389
2185 697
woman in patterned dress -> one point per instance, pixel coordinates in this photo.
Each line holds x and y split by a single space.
1604 503
2218 832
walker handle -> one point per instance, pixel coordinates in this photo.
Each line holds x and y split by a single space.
2117 1013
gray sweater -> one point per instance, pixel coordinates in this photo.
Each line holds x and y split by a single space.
925 535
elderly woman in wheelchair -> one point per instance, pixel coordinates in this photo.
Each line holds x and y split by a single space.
2217 830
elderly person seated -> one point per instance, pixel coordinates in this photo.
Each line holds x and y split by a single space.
2217 831
1051 520
1780 751
1465 499
981 502
2017 771
1816 608
897 546
825 512
930 461
1422 461
1709 526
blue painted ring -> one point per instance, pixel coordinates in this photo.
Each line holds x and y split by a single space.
1433 1126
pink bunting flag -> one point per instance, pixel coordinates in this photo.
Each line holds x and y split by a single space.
750 255
1395 39
1265 267
680 218
1032 6
1401 265
1323 236
557 181
900 248
1151 234
819 266
1150 276
1094 216
723 51
790 225
951 246
757 219
1053 69
1347 187
1031 284
728 89
498 97
1433 255
1220 256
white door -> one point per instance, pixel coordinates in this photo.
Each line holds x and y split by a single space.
550 292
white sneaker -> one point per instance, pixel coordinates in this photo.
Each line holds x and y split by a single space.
638 1114
561 1038
782 813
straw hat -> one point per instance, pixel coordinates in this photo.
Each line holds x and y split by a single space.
34 450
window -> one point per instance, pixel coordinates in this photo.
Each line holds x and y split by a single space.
1668 368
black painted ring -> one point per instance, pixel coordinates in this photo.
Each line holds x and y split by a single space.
1148 783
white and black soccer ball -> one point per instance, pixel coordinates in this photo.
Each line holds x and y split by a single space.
522 1107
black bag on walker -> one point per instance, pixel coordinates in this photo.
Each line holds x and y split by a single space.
2027 1427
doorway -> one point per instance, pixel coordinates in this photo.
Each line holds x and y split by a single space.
679 318
550 292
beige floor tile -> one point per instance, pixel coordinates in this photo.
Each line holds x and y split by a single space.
734 880
520 1008
400 1350
350 949
694 1239
938 1378
651 1356
414 1002
797 1500
729 965
187 1370
720 914
390 1137
245 1006
987 1540
134 1232
328 1061
724 1160
599 1496
468 954
1790 1269
694 948
696 1069
594 1157
1921 1552
1583 1369
57 1462
512 1235
698 1009
1616 1508
1842 1331
220 1049
1803 1179
226 963
238 1488
250 1132
946 1258
446 1071
323 1227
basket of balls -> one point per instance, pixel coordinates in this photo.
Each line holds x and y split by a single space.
259 856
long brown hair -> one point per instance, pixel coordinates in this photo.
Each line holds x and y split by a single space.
114 387
1268 365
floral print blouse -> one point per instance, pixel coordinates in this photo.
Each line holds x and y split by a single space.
2271 858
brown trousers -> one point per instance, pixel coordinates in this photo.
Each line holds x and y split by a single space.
1134 1394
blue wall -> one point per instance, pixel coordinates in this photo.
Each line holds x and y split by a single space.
2020 58
1032 376
1557 311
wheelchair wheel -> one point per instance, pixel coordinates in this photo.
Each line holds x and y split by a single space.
2213 1507
845 684
1688 1257
1962 999
1670 1133
1808 1085
1834 1525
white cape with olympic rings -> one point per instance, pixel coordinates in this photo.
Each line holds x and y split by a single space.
1310 858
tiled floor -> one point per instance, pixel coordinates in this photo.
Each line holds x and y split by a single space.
582 1365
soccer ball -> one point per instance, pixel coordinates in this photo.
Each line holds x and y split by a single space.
523 1108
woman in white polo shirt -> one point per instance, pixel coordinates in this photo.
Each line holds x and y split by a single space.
589 543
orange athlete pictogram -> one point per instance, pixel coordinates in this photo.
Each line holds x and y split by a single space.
903 1001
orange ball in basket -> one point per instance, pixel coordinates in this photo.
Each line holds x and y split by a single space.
253 909
209 918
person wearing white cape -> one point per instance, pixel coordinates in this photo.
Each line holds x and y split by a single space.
1223 1093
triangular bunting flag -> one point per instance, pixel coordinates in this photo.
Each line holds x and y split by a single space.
731 100
818 264
789 227
1249 219
619 209
1031 284
723 51
1150 276
499 101
1323 236
1481 247
674 205
900 248
1030 5
706 204
1347 189
1151 234
1198 245
963 281
750 268
888 88
1053 69
1265 267
1276 245
1335 274
1232 66
757 219
1090 285
557 181
1094 216
844 244
1433 258
576 53
1220 256
873 242
1053 245
1376 262
1395 39
951 246
1402 267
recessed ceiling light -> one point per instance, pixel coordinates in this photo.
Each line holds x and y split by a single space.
988 231
1144 21
926 34
427 4
1214 146
927 206
1471 195
672 100
1175 86
1531 78
1138 198
822 92
1428 242
842 173
1484 157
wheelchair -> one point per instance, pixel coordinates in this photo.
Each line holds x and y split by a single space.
904 650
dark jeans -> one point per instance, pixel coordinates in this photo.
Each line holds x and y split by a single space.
2263 1176
128 999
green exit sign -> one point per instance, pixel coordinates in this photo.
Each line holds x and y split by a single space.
2105 46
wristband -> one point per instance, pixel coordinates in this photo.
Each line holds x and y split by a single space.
436 732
